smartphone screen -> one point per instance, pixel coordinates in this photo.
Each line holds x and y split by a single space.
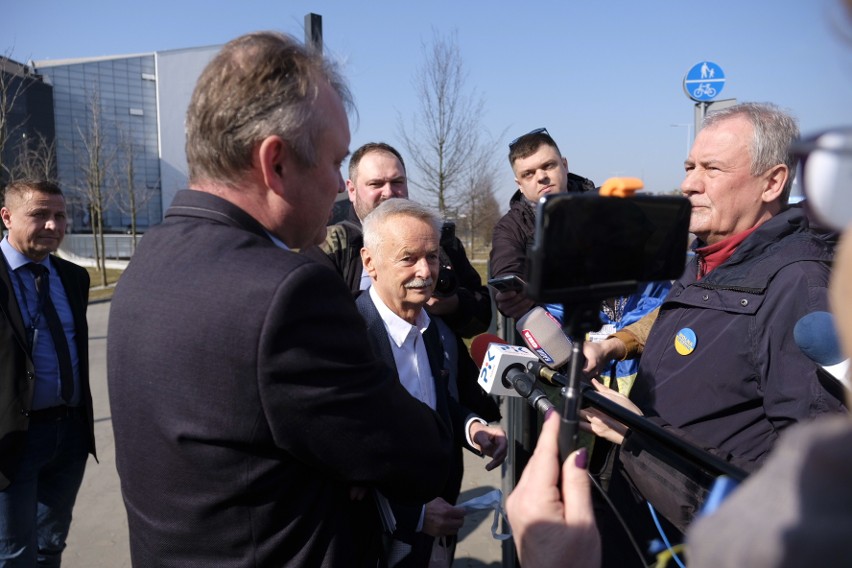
589 247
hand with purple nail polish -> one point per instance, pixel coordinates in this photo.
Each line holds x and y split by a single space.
550 512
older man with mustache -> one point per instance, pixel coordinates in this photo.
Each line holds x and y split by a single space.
401 249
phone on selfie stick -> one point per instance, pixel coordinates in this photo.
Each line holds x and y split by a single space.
591 247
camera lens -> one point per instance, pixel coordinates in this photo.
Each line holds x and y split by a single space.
447 283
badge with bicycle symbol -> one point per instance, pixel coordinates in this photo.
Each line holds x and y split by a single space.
704 81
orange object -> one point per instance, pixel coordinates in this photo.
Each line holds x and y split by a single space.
621 187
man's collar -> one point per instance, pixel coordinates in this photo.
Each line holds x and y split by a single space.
398 328
17 259
278 242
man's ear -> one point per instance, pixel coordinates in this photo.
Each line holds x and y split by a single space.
776 178
5 214
274 157
369 262
350 190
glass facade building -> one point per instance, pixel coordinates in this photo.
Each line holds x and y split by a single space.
107 142
120 125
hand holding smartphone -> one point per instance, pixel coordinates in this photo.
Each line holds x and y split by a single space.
508 283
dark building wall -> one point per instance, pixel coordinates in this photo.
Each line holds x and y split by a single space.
29 113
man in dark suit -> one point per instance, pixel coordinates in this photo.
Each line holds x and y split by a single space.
376 174
46 421
400 254
246 400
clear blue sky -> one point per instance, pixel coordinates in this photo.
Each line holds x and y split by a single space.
605 77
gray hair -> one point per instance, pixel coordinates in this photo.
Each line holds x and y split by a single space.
396 207
774 131
260 84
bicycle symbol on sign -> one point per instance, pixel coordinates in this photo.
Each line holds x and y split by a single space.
704 89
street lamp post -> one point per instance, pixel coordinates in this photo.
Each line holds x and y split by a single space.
688 134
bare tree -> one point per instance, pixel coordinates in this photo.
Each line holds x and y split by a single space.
130 196
479 211
12 88
35 159
98 159
444 134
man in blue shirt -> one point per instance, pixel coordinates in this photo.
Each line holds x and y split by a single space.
46 421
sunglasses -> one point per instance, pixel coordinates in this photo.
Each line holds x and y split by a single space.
826 175
530 133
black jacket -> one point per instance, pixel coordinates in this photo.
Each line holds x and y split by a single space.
16 365
745 380
247 402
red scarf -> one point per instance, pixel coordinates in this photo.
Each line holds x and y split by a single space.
711 256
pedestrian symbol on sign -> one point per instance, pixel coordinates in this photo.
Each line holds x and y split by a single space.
704 81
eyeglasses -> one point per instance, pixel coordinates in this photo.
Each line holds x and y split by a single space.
826 175
530 133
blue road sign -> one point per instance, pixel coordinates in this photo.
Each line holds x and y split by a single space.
704 81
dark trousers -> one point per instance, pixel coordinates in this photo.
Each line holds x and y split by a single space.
35 510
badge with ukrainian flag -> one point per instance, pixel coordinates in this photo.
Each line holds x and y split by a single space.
685 341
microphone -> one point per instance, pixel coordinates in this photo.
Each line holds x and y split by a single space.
544 336
816 336
504 371
479 345
499 361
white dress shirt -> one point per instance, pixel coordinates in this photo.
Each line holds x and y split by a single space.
409 351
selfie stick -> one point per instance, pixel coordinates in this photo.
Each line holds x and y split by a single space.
569 428
580 319
681 447
583 318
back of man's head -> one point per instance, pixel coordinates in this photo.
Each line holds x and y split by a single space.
527 145
392 208
774 130
260 84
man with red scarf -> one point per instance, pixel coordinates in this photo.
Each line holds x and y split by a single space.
720 366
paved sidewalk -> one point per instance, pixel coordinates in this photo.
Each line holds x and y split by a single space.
98 536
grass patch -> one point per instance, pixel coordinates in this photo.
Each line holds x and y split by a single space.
98 292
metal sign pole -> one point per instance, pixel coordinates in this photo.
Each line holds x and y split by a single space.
313 32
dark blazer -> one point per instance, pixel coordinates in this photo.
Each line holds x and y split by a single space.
247 403
341 252
407 515
17 374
